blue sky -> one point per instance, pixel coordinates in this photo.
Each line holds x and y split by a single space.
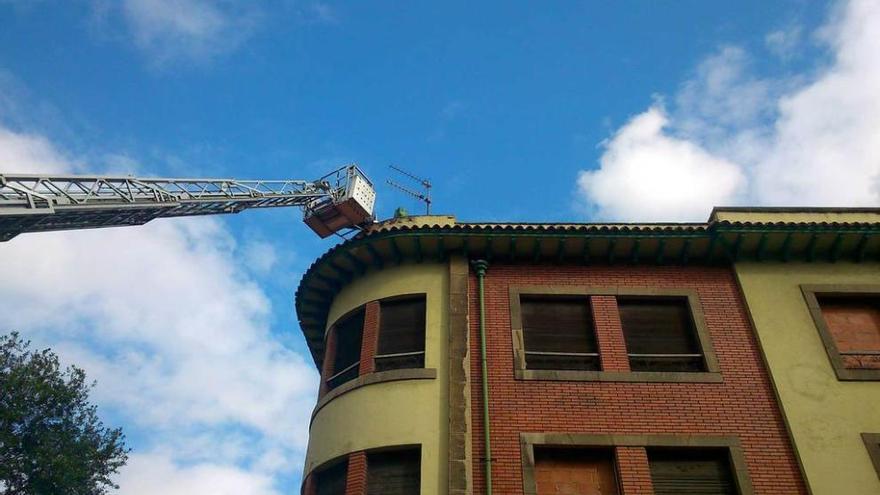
574 111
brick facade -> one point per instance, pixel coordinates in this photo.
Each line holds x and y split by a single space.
742 405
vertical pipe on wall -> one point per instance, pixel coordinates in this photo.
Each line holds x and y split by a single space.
480 267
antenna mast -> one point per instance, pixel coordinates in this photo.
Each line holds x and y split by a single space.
423 197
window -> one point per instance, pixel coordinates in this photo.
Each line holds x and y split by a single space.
558 333
401 333
680 471
660 335
348 332
848 320
574 470
396 472
854 324
331 480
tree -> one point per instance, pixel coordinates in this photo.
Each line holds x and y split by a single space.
51 440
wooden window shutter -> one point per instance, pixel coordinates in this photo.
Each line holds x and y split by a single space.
660 334
396 472
691 472
401 333
558 333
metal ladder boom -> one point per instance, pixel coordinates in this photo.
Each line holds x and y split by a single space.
40 203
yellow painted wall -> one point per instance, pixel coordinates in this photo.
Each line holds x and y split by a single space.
393 413
795 217
826 416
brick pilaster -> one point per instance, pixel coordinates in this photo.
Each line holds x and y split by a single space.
635 474
356 480
370 339
609 333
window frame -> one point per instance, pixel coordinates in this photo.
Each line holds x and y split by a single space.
523 352
811 293
528 441
711 375
424 352
701 333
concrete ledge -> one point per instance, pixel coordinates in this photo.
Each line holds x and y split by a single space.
377 377
618 376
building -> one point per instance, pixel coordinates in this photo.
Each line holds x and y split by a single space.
735 356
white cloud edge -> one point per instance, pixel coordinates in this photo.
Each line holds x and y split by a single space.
806 139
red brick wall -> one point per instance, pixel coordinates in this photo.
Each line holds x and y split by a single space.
743 405
370 339
356 482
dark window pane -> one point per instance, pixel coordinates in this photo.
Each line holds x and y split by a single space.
331 480
402 325
394 473
691 472
660 335
349 333
574 470
557 332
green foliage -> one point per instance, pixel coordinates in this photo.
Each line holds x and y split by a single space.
51 440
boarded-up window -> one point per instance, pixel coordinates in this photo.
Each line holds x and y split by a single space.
854 324
564 471
558 333
396 472
660 335
401 334
331 480
691 471
349 334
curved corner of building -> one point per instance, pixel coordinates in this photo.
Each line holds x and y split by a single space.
393 408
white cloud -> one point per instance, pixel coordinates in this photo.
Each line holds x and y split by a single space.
21 152
784 42
177 334
153 473
734 137
260 256
169 31
642 165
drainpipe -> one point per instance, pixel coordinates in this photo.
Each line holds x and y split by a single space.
480 267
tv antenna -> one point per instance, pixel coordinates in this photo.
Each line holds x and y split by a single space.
424 197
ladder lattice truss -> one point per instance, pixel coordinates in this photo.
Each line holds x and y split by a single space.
39 203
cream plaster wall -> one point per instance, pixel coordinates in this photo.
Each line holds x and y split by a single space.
825 416
400 412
